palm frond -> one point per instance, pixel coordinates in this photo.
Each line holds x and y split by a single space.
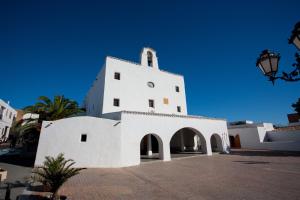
55 172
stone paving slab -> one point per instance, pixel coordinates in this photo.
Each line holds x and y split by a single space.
237 176
17 175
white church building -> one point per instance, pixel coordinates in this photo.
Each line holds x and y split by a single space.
134 111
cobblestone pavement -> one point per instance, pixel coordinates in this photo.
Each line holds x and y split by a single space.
241 175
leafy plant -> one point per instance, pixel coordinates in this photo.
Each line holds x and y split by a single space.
296 106
59 108
54 173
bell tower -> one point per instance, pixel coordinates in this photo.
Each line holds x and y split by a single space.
148 58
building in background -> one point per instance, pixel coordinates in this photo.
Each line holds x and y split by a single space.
294 119
249 135
7 117
134 111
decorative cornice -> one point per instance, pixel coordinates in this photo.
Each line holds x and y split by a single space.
170 115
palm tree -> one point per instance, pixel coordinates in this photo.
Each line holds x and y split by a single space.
28 130
59 108
54 173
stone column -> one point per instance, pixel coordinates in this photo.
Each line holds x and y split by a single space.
208 147
182 147
196 140
149 145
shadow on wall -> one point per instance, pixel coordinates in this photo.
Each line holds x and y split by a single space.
243 152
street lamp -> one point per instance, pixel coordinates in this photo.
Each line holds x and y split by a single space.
268 61
295 37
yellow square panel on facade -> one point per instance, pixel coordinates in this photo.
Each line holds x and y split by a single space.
166 101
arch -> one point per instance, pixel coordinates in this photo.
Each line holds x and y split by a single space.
187 141
216 143
150 58
151 147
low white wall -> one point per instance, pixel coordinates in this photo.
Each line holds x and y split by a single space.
256 137
281 145
102 148
284 135
249 137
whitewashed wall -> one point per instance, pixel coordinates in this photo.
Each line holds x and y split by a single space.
292 135
261 136
94 98
102 148
139 125
8 114
112 143
133 91
249 137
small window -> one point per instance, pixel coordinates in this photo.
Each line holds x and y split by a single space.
150 59
178 109
166 101
117 102
177 88
150 84
83 137
10 115
151 103
117 76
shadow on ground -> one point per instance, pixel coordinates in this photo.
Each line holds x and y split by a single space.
31 197
251 162
241 152
21 160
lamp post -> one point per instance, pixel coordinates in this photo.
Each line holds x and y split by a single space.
268 61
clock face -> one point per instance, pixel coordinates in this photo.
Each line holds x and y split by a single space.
150 84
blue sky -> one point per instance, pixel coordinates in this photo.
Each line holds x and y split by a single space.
57 47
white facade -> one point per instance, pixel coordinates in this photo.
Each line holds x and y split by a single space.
134 88
7 116
116 143
150 115
263 136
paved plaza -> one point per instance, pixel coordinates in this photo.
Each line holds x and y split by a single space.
241 175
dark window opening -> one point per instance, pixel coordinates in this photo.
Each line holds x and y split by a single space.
117 76
177 88
150 59
151 103
83 137
117 102
178 109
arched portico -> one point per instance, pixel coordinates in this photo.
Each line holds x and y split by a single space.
151 147
188 141
216 143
